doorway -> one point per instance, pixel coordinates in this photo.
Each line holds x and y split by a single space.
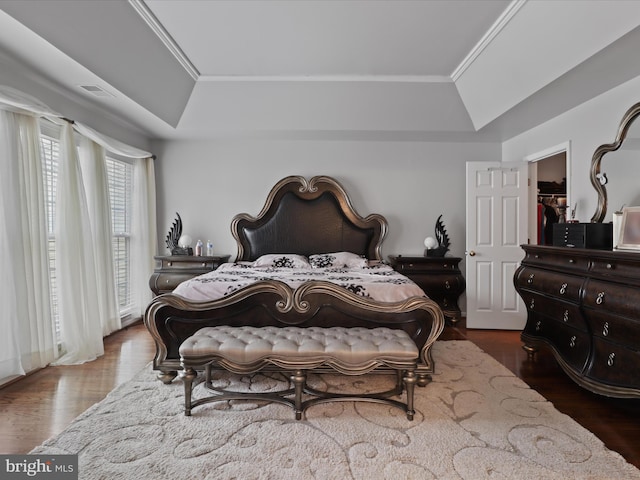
549 193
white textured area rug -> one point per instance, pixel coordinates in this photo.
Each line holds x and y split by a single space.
475 420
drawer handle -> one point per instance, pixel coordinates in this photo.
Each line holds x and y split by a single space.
446 285
538 325
600 298
572 342
563 289
167 281
610 360
170 264
203 264
530 279
605 329
532 303
571 260
565 317
610 266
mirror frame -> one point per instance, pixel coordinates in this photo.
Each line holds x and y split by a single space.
625 123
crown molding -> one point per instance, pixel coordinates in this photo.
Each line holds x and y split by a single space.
147 15
488 37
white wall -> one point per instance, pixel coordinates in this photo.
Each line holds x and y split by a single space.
587 127
410 183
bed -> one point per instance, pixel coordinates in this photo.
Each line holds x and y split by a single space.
305 219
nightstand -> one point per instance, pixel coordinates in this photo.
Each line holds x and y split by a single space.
439 277
172 270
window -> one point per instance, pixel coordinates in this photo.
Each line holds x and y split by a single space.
120 181
120 176
50 153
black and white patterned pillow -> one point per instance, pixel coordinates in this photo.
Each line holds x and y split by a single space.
282 260
337 260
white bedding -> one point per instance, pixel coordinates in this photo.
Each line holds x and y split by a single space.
378 282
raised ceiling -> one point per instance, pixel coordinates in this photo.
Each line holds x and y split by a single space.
458 70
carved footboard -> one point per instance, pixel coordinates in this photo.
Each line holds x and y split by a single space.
171 319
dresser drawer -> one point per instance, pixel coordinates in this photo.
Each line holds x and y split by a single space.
613 364
562 312
567 260
611 297
620 330
620 269
566 287
572 344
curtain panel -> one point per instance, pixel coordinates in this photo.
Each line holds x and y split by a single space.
76 276
28 333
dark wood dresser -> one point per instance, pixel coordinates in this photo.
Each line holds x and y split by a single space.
172 270
439 277
584 305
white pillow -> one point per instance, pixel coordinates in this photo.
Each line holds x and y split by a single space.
282 260
337 260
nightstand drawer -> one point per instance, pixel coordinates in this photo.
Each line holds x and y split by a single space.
441 284
172 270
169 281
425 265
206 264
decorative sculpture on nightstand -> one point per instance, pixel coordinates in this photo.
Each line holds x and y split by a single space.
437 247
174 236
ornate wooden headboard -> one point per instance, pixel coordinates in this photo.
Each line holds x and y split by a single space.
308 217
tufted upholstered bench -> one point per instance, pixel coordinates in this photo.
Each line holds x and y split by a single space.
351 351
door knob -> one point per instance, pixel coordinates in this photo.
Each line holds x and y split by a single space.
471 253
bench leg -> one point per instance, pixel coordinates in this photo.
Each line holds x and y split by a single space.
410 380
298 379
188 376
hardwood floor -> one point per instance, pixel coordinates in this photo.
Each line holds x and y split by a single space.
43 404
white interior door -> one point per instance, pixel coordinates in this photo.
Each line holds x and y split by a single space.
496 227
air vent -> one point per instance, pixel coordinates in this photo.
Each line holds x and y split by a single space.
96 90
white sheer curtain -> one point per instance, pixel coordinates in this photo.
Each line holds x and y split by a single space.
143 233
28 332
76 277
96 185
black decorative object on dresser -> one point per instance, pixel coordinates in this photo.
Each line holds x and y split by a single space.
172 270
438 246
584 305
439 277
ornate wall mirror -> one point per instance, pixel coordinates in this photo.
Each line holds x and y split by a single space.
617 168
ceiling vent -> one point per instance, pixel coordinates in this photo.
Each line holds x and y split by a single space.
96 90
